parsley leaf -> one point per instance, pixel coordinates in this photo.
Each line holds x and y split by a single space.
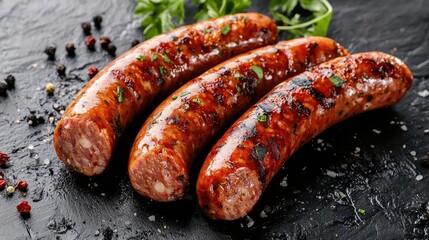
218 8
258 71
159 16
337 81
120 92
316 24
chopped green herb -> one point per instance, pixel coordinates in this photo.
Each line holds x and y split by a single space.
182 178
258 71
174 143
365 75
174 97
262 118
362 211
186 106
174 37
239 89
162 70
184 94
238 76
165 57
337 81
120 92
116 124
339 52
259 152
225 30
197 101
337 235
206 31
141 58
154 57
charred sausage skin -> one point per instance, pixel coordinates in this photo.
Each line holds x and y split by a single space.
86 136
184 123
254 148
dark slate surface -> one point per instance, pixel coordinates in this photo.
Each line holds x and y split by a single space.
368 160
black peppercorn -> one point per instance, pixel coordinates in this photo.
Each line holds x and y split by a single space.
111 49
70 49
97 21
104 42
32 120
61 69
50 51
135 42
3 89
86 26
10 80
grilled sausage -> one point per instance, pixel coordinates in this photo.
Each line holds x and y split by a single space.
183 124
89 130
254 148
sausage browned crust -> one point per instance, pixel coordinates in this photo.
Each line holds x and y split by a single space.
188 120
254 148
89 130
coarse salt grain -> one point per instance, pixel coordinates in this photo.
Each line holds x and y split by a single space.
152 218
283 183
376 131
419 177
423 93
413 153
404 128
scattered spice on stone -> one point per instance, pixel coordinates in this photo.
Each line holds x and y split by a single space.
2 183
86 27
97 21
61 69
90 42
111 49
4 158
34 120
10 81
23 207
70 48
50 88
134 43
104 42
3 89
92 71
10 190
50 51
21 185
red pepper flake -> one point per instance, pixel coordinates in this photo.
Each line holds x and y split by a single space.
90 42
2 183
23 207
4 158
92 71
21 185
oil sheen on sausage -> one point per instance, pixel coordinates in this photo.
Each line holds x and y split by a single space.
254 148
191 117
89 130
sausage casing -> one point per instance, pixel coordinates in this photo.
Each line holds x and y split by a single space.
89 130
254 148
193 115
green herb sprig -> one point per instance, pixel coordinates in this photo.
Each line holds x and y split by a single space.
298 17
